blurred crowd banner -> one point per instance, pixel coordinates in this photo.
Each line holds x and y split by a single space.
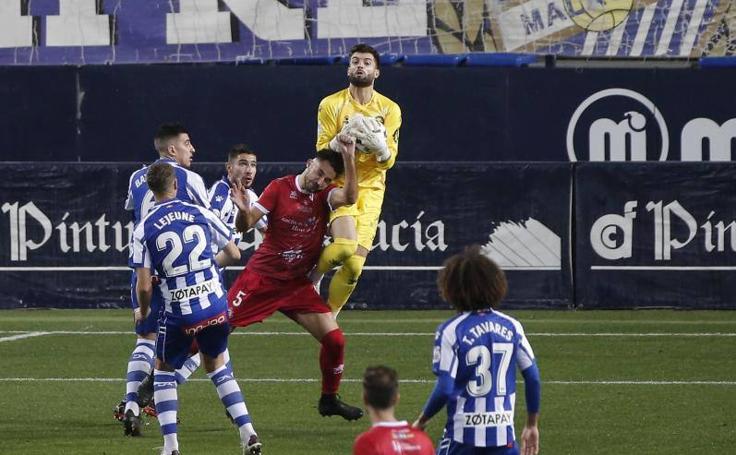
590 235
144 31
65 234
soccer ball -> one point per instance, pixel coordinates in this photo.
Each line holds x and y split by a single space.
598 15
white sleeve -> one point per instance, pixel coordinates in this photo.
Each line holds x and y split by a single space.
196 189
221 233
524 352
139 254
129 205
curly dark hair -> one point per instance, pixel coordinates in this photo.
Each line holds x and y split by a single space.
471 281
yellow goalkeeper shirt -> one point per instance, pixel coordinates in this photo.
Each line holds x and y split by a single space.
334 112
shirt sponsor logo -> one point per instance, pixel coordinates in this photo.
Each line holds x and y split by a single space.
487 419
195 290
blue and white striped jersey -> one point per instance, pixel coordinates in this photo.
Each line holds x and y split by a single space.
223 206
175 239
140 199
480 351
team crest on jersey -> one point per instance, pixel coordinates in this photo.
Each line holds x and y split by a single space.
293 195
218 198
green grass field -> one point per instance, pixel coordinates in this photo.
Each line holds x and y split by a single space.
651 382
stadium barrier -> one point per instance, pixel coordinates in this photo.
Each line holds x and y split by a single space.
474 113
596 235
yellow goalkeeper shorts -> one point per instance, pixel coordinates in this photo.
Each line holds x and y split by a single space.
366 212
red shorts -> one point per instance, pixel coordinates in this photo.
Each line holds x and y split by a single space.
253 298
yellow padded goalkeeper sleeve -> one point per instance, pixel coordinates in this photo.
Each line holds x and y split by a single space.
336 253
344 282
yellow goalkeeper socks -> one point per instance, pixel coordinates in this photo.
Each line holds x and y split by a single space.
336 253
344 282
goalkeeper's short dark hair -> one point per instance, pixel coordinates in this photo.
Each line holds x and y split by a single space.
160 177
380 386
239 149
334 158
366 49
472 281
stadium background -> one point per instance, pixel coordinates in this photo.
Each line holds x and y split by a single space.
513 112
587 145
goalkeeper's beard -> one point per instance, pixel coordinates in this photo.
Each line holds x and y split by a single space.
361 82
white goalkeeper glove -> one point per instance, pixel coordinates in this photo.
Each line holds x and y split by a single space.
370 136
353 127
373 138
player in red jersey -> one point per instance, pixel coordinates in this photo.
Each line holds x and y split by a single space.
387 436
275 278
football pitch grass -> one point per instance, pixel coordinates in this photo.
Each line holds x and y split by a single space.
647 382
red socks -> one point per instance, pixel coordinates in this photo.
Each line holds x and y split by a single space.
331 359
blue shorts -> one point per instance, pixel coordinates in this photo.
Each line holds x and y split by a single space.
150 324
450 447
175 339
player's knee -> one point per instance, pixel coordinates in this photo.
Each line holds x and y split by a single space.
334 340
353 267
340 250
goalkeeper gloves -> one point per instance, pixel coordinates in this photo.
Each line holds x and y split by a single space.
370 136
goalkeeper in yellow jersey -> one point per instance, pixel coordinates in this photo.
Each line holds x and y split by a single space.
374 121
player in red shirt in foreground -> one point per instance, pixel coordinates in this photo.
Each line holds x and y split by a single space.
387 436
275 278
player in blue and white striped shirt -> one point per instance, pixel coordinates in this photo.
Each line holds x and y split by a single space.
475 358
175 148
242 167
175 240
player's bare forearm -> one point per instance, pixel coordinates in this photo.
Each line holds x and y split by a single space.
351 179
421 422
247 218
348 194
248 215
229 255
530 435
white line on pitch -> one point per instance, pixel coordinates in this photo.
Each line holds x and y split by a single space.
26 334
410 381
22 335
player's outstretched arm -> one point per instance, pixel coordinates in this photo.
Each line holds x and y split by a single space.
229 255
348 194
248 215
144 292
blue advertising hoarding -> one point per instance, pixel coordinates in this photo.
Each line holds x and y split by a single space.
110 113
655 235
65 232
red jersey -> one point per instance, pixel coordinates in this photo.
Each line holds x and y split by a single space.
297 223
393 438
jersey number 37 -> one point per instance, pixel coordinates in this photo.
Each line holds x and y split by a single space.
483 359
